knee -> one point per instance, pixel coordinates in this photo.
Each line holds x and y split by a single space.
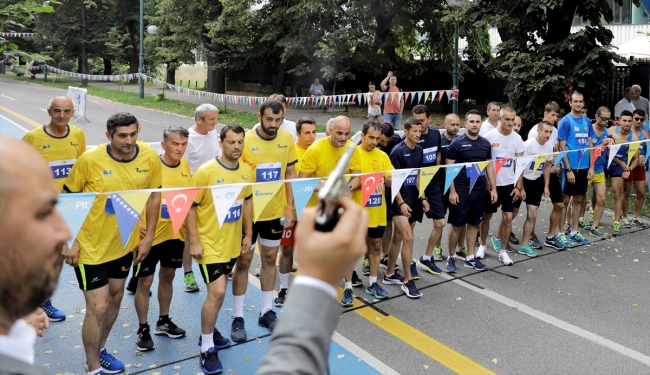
243 263
216 294
145 282
116 296
375 246
269 257
506 218
558 206
440 224
167 276
600 200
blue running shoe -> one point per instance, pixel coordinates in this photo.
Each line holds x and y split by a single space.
535 243
578 238
527 250
414 272
395 278
496 243
210 362
376 291
347 299
451 265
411 290
219 341
110 364
429 266
53 314
596 233
475 264
562 240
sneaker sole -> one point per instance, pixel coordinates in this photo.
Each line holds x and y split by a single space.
111 371
472 267
55 320
450 271
163 333
191 290
347 304
357 285
376 296
426 268
140 350
554 247
391 282
437 258
410 296
267 327
365 273
526 254
277 304
537 247
241 339
209 372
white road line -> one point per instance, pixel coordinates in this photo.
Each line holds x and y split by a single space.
13 123
43 109
631 353
5 96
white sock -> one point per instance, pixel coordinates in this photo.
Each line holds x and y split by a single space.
574 233
102 349
372 279
581 218
426 257
502 251
93 372
267 302
206 342
348 285
470 257
238 305
284 281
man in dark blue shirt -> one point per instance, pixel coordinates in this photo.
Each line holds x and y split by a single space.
467 206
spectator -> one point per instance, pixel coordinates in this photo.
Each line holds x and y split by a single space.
316 90
374 103
624 104
394 103
640 102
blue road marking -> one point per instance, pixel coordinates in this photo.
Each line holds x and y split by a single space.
11 129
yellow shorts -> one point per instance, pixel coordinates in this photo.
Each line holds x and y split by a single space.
599 178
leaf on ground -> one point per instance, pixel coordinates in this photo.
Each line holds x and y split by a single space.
228 309
425 367
152 366
515 307
636 261
125 325
48 352
176 367
63 337
378 319
155 373
340 356
82 323
613 275
247 359
559 291
137 365
576 270
561 278
71 316
114 351
635 305
123 307
139 353
458 299
495 360
77 346
127 336
47 365
128 365
530 270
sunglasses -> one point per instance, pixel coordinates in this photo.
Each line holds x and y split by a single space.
605 118
640 119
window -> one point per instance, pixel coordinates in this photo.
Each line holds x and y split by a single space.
626 14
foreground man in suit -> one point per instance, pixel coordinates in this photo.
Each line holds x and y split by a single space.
301 340
31 264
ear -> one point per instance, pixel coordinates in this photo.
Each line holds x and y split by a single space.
108 137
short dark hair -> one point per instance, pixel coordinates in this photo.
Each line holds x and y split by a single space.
639 112
231 127
552 106
474 112
601 109
120 119
420 109
371 83
627 90
276 106
626 113
175 130
410 122
387 129
278 97
304 120
544 122
370 124
575 93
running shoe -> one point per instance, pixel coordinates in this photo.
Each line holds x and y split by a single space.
190 283
238 329
282 296
639 223
437 254
218 340
376 291
496 243
626 223
553 243
110 364
534 242
617 228
167 327
383 263
411 290
595 232
144 342
562 238
504 258
356 281
365 271
268 320
510 249
475 264
480 253
461 254
513 239
132 285
210 362
583 224
414 272
578 238
348 299
395 278
527 250
429 266
567 228
451 265
53 314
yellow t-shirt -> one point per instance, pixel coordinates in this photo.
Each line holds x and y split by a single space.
300 153
321 158
374 161
60 152
97 171
269 159
172 177
220 245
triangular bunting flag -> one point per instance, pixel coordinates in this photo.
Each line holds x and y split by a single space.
474 171
426 96
302 192
426 175
74 208
420 93
406 96
369 183
522 163
613 149
631 151
498 163
392 96
223 198
540 159
450 173
262 195
440 94
597 152
456 95
448 94
559 157
176 205
399 176
128 208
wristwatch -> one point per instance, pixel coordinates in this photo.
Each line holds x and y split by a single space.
350 187
569 170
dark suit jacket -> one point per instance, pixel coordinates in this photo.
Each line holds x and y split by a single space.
301 341
11 366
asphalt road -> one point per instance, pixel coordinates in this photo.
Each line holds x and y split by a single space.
580 311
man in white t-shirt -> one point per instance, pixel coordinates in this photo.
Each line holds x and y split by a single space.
625 104
493 120
506 145
289 126
203 143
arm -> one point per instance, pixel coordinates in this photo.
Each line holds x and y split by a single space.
196 249
547 178
570 177
144 246
401 102
518 192
384 83
247 241
492 181
590 173
290 174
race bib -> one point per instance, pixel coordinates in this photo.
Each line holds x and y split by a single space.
164 212
410 180
61 168
507 164
234 213
375 200
268 172
582 139
430 155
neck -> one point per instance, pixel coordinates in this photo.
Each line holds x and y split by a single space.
425 129
494 123
122 156
576 114
539 140
332 142
262 133
169 161
504 131
302 145
201 130
636 130
447 136
600 127
228 162
622 131
56 130
409 143
472 137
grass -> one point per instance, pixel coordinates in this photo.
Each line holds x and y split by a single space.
609 201
193 74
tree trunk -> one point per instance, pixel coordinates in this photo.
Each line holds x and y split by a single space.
83 63
108 66
170 77
216 78
384 37
131 28
279 83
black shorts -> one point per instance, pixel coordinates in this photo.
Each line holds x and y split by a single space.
436 204
169 253
377 232
416 211
534 191
555 188
212 271
270 232
470 207
516 204
581 183
504 200
94 276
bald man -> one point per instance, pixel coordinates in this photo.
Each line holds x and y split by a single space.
60 144
31 264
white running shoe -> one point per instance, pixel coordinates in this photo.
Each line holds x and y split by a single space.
480 253
503 257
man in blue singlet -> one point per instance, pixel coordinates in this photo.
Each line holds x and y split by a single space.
600 138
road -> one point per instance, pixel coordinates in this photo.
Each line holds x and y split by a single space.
580 311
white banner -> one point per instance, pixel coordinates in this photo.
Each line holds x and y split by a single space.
78 96
399 176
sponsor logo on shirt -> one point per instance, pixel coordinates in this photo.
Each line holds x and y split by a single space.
255 148
142 170
467 145
110 171
220 180
96 279
74 144
262 193
496 145
407 154
183 175
46 146
245 178
125 269
576 128
282 146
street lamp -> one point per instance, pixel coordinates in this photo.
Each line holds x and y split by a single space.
151 29
455 5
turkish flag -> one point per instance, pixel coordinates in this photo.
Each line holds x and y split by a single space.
498 164
369 183
597 152
178 204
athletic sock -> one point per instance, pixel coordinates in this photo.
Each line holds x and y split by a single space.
284 280
372 280
550 237
143 326
470 257
573 233
206 342
267 302
238 306
188 272
426 257
163 318
348 285
93 372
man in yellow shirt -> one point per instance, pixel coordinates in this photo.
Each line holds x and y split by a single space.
60 144
306 130
101 262
216 248
271 153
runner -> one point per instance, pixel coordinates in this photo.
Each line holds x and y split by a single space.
387 142
467 206
271 153
493 120
287 125
100 261
216 248
306 128
597 184
167 248
512 240
637 176
61 144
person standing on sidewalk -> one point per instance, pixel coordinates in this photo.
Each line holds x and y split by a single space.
394 103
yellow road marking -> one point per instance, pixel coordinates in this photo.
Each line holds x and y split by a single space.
18 115
428 346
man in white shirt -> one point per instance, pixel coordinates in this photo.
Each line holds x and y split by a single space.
287 125
203 144
625 104
493 119
640 102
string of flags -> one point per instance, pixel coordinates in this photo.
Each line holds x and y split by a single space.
128 205
15 35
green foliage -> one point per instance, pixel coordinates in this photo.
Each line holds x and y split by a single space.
160 97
